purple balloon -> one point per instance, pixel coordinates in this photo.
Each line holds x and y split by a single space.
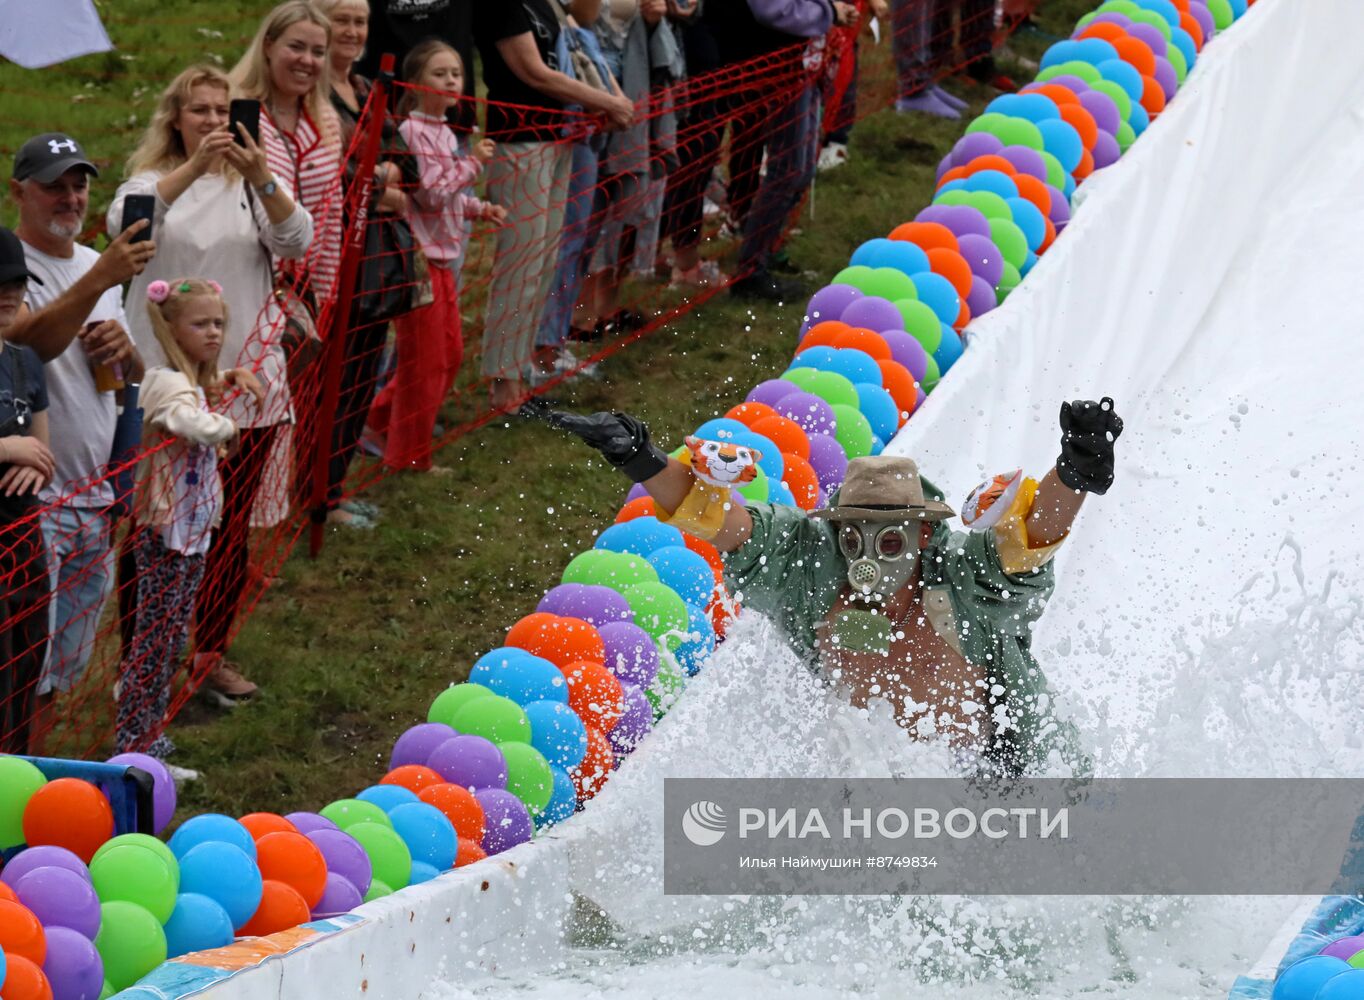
470 761
873 313
1150 35
919 397
1104 109
340 896
771 392
163 785
636 492
59 897
1165 75
1106 151
944 165
589 602
828 460
1200 13
415 745
1060 208
982 296
961 219
307 822
344 857
828 303
983 257
1074 84
45 856
813 414
1344 948
630 653
906 350
73 967
1026 160
1109 17
975 144
635 724
506 821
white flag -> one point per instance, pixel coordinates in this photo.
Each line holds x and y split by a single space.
37 33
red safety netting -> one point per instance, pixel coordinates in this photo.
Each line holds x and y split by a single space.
412 303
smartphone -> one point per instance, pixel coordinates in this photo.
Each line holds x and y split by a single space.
244 112
139 206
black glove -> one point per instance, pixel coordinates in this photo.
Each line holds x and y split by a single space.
1088 430
622 439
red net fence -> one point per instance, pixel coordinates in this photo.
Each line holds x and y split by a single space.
441 274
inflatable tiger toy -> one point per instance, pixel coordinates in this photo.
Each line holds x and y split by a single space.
723 463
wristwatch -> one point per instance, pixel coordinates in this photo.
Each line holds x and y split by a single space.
268 188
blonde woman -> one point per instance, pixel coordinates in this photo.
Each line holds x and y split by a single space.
220 210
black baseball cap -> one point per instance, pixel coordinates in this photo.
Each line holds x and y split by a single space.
13 264
46 157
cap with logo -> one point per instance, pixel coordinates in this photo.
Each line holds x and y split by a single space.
13 265
46 157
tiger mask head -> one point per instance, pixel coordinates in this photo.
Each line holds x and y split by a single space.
723 463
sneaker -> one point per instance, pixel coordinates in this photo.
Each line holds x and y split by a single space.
360 507
226 686
182 774
568 363
762 284
835 154
947 97
704 274
372 444
349 519
928 103
709 209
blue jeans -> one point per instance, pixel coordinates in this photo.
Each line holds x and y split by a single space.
81 567
792 141
571 268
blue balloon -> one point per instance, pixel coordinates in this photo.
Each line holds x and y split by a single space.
1183 41
1164 8
994 181
387 797
937 293
1302 980
1068 191
1139 119
685 572
208 827
1030 220
196 924
640 536
523 679
949 350
1062 141
224 874
720 429
4 967
1343 986
956 184
1124 75
1238 9
1033 107
856 366
878 406
899 254
779 492
422 872
557 732
814 357
700 643
427 833
877 445
1029 263
563 800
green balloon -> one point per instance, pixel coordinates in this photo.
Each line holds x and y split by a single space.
1085 71
667 686
932 373
658 610
834 389
889 283
452 699
1150 17
1008 130
1222 14
346 813
754 492
108 991
130 942
1056 174
388 855
528 775
497 719
377 890
609 569
853 432
18 781
802 377
1127 7
1008 281
991 205
1178 61
1013 245
1120 97
152 844
954 197
921 322
1125 135
854 275
131 873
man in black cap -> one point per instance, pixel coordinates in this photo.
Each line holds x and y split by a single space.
74 320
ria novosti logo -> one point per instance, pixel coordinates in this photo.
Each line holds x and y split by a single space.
704 823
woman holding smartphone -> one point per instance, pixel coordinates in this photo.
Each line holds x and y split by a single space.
220 211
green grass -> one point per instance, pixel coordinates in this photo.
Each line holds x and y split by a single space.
351 648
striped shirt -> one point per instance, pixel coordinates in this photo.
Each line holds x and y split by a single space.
310 170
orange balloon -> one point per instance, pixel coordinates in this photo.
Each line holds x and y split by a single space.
69 813
897 381
801 480
295 860
1190 24
24 980
561 641
1105 30
1152 97
1136 54
867 341
7 893
747 413
963 317
786 434
823 334
413 777
990 161
591 774
1083 122
1181 5
459 806
952 266
259 824
21 933
1085 167
925 235
1059 93
706 551
720 615
1033 190
1049 239
468 852
595 694
281 907
955 174
528 627
638 507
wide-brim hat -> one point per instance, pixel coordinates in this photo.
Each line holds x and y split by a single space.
883 488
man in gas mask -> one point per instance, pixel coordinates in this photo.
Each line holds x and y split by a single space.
877 592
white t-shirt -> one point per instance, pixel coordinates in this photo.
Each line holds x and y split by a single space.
80 420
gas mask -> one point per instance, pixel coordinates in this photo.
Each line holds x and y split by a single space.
881 557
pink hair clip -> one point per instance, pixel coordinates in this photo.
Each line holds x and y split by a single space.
217 288
158 291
